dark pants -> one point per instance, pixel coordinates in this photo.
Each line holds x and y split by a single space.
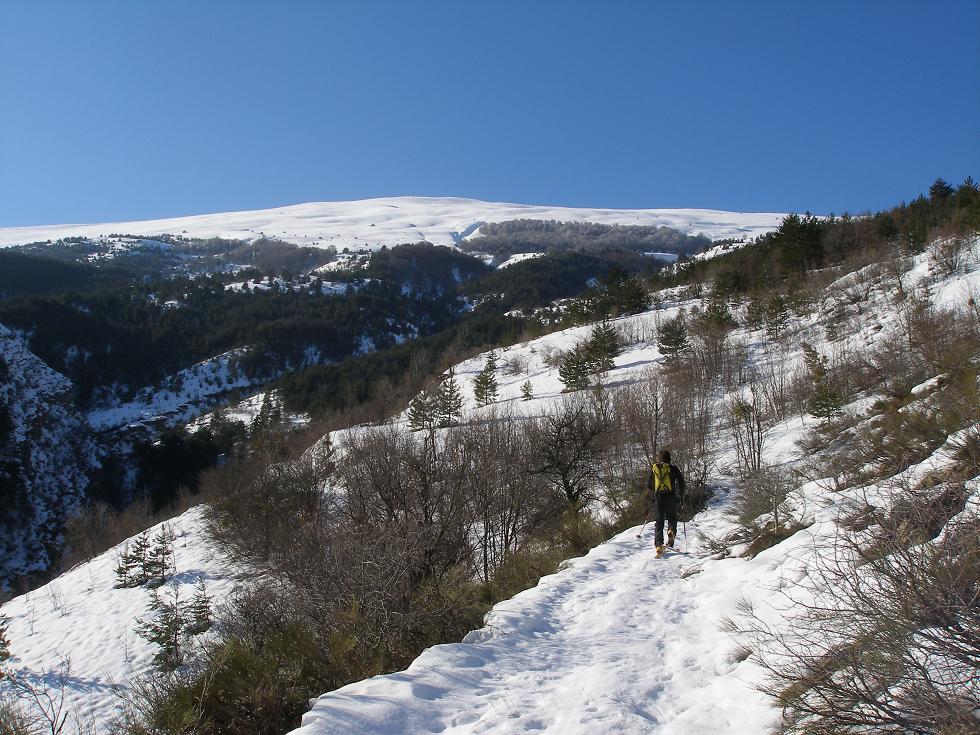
664 509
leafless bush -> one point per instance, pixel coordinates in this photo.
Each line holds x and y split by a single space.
761 508
566 445
35 704
261 506
892 648
551 356
749 421
949 254
515 364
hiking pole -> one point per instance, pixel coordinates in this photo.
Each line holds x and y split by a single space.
645 522
687 548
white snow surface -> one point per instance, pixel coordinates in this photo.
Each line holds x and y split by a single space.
179 397
616 642
372 223
82 618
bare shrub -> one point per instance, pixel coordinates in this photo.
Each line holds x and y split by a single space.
949 254
566 445
748 422
761 508
515 364
893 648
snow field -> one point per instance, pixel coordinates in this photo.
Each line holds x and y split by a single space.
78 631
373 223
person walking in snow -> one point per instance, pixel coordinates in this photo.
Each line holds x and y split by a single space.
666 486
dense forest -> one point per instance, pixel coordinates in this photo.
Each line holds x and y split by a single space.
502 239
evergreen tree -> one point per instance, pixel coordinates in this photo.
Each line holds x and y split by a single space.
672 337
131 567
165 627
526 391
449 402
756 312
826 401
159 560
199 614
623 294
777 316
422 411
4 644
575 369
716 317
603 345
485 384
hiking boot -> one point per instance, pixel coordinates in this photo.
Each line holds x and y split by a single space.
670 538
660 550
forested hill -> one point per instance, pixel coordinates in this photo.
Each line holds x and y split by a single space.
825 418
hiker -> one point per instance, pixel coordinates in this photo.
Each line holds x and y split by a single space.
666 485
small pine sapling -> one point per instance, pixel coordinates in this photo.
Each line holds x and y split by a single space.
132 565
527 391
159 561
574 370
449 402
199 614
166 627
421 412
672 337
485 384
4 644
602 347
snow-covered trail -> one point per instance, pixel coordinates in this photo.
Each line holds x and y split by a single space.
617 642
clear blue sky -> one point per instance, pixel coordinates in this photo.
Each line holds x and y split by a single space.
138 109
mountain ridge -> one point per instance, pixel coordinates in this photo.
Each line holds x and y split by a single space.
388 221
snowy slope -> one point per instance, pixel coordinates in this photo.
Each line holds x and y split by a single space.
620 642
617 642
47 452
371 223
83 619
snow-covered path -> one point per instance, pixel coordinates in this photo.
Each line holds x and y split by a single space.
618 642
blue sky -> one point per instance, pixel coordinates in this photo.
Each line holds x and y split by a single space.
133 110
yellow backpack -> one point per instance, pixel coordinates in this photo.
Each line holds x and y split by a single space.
661 478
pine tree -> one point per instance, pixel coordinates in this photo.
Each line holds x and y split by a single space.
575 369
4 644
485 384
421 412
826 401
526 391
755 312
123 570
672 337
603 345
131 568
777 316
199 615
159 560
449 402
166 628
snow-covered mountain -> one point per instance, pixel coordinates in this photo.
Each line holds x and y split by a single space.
373 223
616 642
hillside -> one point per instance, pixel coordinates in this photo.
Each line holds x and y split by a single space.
617 641
373 223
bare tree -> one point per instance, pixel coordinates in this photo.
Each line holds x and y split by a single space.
566 447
